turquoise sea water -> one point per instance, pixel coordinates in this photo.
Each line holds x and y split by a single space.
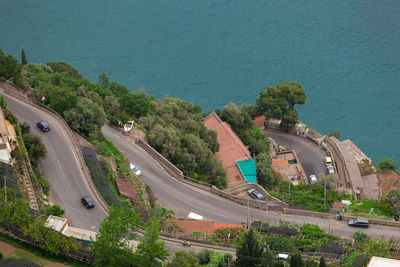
345 53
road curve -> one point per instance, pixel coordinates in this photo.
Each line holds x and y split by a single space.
61 167
183 198
311 156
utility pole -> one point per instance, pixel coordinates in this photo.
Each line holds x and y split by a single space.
248 212
5 188
325 193
289 192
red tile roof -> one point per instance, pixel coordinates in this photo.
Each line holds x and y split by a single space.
231 149
259 121
337 206
125 188
190 226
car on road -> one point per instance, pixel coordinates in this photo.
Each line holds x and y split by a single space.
313 179
331 169
87 201
128 126
328 161
359 223
135 169
255 194
43 126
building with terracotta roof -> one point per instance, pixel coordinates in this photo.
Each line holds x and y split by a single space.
231 149
289 166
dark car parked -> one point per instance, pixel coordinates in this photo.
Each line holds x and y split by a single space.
87 201
43 126
359 223
255 194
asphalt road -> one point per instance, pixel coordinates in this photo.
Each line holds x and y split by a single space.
311 156
183 198
60 167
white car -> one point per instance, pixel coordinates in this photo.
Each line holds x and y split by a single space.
313 179
331 169
135 169
128 126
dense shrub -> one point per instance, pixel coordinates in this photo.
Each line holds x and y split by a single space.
99 177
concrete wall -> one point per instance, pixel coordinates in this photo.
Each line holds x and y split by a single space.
272 200
309 213
168 166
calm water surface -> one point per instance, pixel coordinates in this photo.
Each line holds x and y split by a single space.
345 53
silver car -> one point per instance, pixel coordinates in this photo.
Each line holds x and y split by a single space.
255 194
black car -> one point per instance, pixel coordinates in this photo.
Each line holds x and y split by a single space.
43 126
255 194
358 223
87 201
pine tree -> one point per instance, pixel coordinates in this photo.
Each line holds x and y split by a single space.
249 252
322 262
23 57
296 261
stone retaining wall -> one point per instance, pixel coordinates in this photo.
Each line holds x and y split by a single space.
272 200
309 213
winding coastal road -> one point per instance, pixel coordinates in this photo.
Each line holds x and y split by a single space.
183 198
67 182
311 156
60 167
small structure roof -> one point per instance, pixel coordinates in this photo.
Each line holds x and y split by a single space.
248 170
337 206
383 262
125 188
205 227
259 121
57 223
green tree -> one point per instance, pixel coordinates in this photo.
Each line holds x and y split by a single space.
265 175
249 252
386 164
182 258
104 81
54 210
136 104
393 198
35 146
296 261
23 57
237 119
289 119
335 134
204 256
279 243
150 250
113 244
86 117
10 68
278 102
64 67
377 247
216 260
322 262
